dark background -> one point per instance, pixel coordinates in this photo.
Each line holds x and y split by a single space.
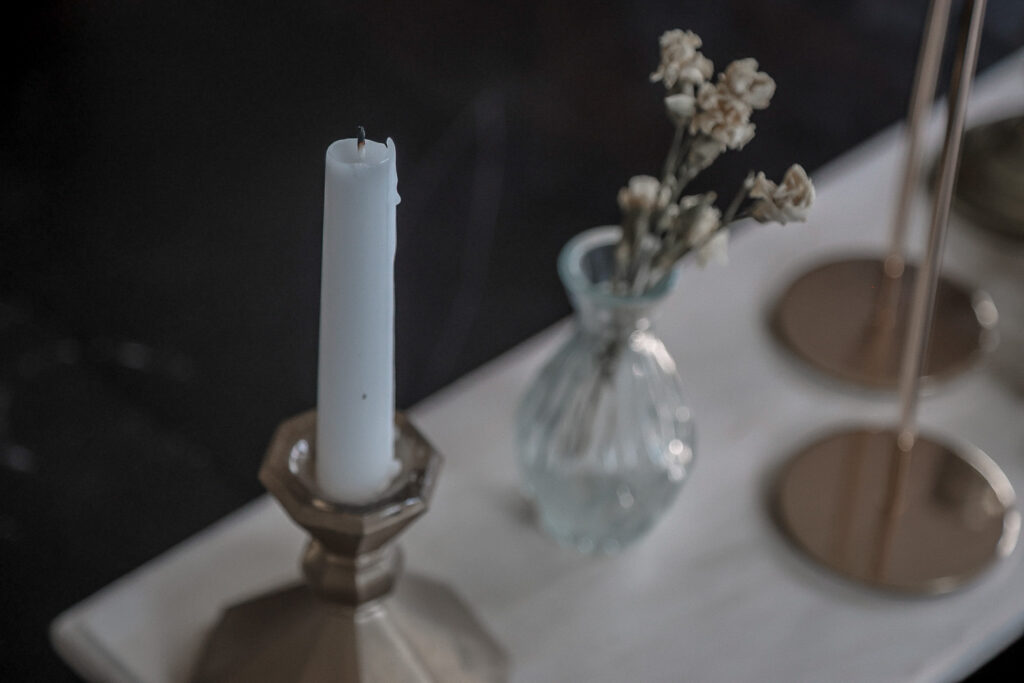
161 188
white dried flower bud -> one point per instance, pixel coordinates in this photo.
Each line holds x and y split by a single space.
703 152
747 84
797 190
669 218
715 250
681 107
641 195
783 203
722 116
762 188
703 218
664 195
681 63
764 209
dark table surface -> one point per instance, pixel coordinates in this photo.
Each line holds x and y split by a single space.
162 178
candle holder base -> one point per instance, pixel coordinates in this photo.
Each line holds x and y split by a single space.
346 623
849 319
924 521
424 633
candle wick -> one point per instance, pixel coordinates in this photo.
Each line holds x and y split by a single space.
361 142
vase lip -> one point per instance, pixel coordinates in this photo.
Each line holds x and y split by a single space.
578 283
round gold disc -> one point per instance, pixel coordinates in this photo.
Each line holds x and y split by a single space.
926 521
990 186
849 319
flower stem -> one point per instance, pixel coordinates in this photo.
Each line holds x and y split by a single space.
734 206
672 160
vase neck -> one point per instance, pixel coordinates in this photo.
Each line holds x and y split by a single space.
586 266
601 319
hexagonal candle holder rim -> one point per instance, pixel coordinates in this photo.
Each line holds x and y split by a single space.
288 473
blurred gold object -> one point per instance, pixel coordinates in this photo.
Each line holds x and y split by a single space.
848 317
888 507
346 623
990 189
925 521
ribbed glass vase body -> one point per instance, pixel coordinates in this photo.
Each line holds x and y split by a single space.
605 438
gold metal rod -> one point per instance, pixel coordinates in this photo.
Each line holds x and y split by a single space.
971 21
880 333
922 94
892 512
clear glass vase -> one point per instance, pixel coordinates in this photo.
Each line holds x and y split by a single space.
605 439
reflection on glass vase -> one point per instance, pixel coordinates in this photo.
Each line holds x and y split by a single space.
605 438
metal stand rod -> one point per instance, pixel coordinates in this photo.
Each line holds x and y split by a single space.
889 507
971 21
926 75
922 94
864 339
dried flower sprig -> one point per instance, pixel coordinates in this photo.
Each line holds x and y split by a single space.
659 224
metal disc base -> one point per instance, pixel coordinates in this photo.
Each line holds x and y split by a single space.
835 317
926 521
990 186
423 632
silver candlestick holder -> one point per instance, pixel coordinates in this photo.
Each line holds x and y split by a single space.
848 317
887 506
352 620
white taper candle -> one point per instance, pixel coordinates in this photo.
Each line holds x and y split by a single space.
355 390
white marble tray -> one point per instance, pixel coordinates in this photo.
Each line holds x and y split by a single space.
714 593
